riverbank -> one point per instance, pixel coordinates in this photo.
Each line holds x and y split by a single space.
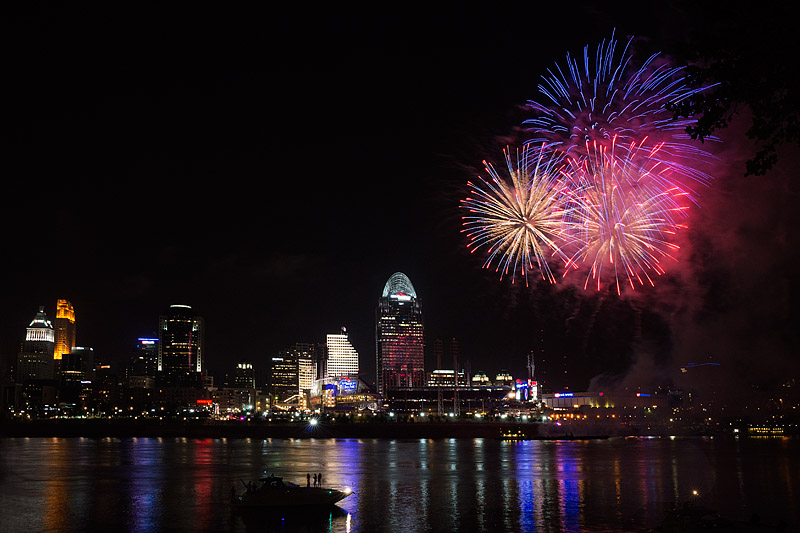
127 428
376 429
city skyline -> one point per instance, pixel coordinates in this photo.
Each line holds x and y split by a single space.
137 351
274 173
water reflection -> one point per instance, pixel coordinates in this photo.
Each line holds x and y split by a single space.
56 491
143 496
399 485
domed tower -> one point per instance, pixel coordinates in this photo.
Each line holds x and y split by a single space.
400 355
35 361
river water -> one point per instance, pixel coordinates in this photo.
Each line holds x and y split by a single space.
618 484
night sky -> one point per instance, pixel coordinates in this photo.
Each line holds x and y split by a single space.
272 169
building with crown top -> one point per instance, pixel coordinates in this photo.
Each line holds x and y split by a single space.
64 326
35 361
400 352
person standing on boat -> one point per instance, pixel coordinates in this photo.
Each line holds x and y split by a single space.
315 480
319 479
308 480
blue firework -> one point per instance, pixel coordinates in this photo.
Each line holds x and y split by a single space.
605 97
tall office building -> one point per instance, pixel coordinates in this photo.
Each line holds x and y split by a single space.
180 347
144 362
284 379
244 377
36 361
320 361
306 372
80 360
398 336
342 357
64 325
77 368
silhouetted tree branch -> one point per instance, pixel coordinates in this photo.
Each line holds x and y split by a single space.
748 52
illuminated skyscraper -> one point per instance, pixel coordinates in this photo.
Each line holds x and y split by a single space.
284 379
342 357
35 361
398 333
306 353
180 348
64 325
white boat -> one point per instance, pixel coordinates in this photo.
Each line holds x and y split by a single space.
273 492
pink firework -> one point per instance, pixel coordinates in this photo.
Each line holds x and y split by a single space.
625 221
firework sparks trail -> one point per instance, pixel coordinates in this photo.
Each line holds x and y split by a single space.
624 227
609 185
606 98
520 220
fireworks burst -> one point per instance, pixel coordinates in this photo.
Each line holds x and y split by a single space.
605 98
520 220
607 190
624 227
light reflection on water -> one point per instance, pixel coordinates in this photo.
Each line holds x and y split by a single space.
400 485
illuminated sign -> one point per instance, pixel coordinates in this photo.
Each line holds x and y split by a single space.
348 386
640 395
205 402
524 392
401 296
148 341
563 395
